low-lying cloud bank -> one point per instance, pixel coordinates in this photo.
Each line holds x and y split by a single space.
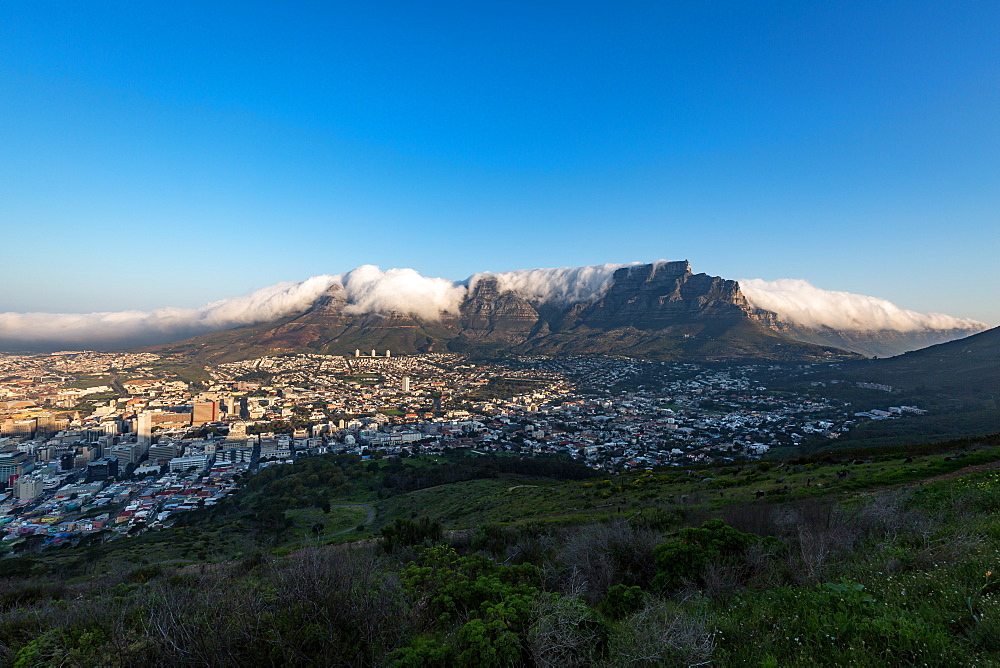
368 289
798 302
108 330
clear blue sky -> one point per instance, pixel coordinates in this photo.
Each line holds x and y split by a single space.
173 153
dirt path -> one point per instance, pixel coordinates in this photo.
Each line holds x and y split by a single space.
975 468
369 517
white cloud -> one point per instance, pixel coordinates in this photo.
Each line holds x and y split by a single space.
563 285
800 303
133 328
371 290
368 289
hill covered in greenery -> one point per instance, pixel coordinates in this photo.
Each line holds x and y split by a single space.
876 557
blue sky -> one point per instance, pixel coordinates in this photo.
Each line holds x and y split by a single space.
176 153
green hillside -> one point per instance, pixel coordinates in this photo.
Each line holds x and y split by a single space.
848 558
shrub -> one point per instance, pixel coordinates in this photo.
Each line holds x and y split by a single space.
622 600
682 559
566 632
662 634
406 532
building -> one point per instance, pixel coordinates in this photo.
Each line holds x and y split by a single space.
234 455
127 453
150 419
29 488
102 469
12 427
197 462
145 428
13 464
205 411
237 432
163 451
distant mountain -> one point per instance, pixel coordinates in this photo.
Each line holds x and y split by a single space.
873 343
969 366
660 311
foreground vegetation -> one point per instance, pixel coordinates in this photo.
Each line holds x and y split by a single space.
888 557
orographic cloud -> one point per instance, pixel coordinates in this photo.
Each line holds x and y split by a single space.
371 290
799 302
134 328
564 285
368 289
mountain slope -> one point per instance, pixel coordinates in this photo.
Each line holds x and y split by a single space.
659 311
969 366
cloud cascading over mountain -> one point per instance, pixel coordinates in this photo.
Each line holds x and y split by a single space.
132 328
798 302
564 285
368 289
371 290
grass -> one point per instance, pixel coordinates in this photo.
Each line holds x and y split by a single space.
890 564
682 492
338 519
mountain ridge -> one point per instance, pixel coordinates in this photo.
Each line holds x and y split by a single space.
505 311
659 310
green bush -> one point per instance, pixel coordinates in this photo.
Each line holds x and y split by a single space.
683 558
622 601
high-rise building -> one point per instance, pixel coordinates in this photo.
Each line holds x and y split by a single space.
28 488
145 428
406 383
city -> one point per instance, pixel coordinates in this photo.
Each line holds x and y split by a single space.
111 442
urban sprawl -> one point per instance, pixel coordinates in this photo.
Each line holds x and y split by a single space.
119 442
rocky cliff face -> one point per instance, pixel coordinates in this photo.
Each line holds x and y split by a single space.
489 315
661 310
655 296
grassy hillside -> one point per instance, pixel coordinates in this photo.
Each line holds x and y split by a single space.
861 558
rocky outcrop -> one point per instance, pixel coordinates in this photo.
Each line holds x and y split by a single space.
491 316
661 310
655 296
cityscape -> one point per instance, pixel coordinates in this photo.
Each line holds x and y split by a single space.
92 441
